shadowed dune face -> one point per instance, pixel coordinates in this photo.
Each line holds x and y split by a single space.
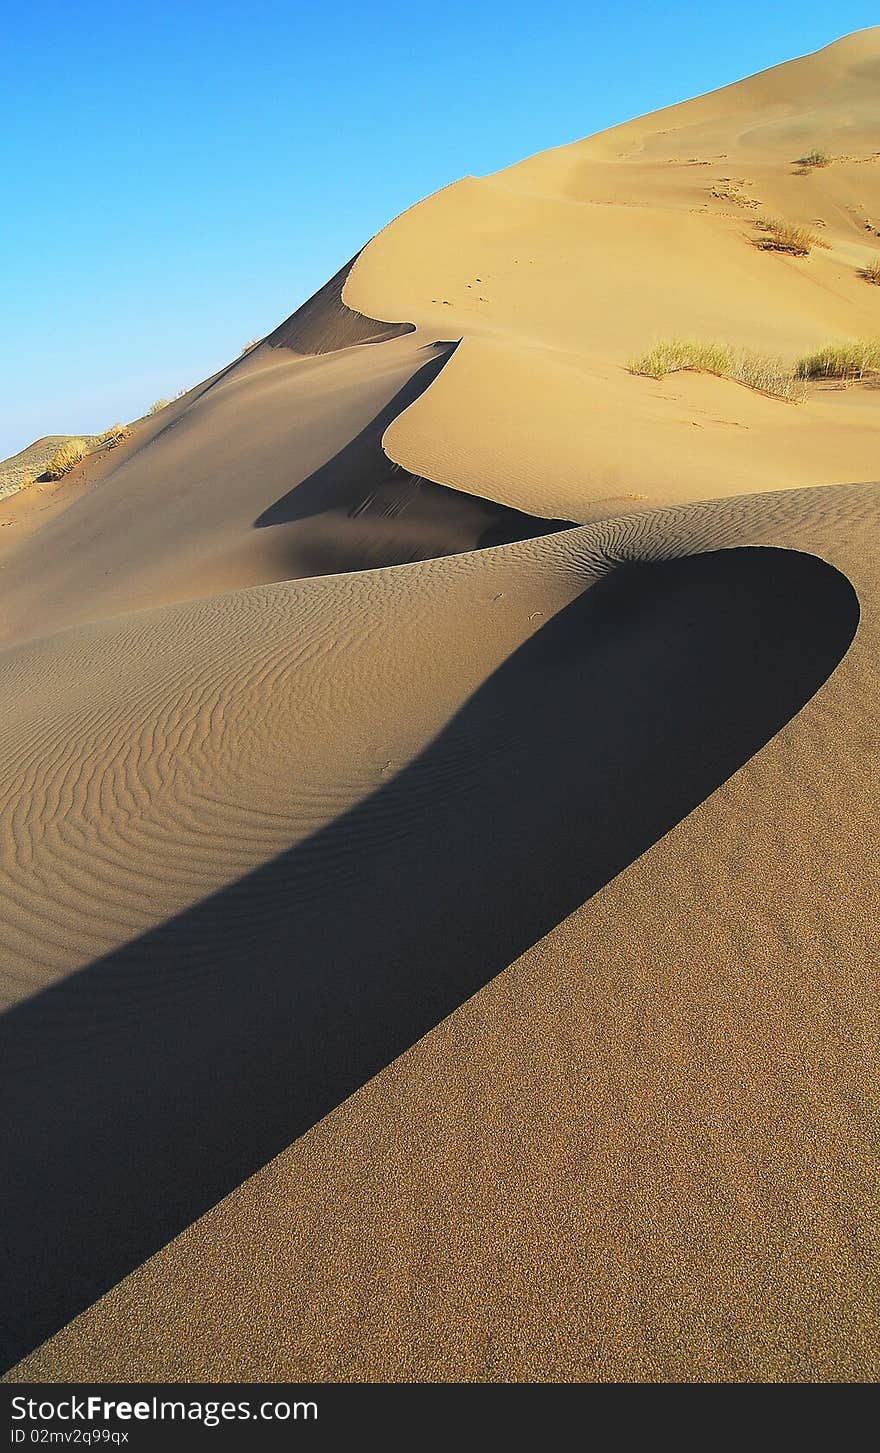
295 443
324 324
385 513
141 1089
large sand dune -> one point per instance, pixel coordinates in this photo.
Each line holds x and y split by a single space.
439 942
558 270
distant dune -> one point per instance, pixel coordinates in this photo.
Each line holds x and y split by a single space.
438 856
23 468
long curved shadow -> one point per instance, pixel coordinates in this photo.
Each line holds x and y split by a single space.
384 506
142 1089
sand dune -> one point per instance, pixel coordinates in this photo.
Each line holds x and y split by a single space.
559 269
289 445
447 935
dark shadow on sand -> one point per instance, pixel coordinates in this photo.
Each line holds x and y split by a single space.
324 324
385 510
143 1088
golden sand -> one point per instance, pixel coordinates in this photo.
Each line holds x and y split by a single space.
438 944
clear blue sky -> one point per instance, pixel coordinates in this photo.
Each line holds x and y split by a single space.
178 177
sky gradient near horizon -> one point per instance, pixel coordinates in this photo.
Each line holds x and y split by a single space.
179 178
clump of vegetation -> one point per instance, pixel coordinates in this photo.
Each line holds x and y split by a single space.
64 458
755 370
250 345
858 359
115 435
871 272
786 237
158 406
813 159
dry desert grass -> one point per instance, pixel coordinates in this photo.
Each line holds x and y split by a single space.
855 360
812 160
71 453
759 371
787 237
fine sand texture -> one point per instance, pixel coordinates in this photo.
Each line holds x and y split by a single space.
437 808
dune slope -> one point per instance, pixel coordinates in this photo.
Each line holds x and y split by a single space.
276 470
561 268
621 655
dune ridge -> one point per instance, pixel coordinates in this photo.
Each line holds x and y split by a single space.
284 475
324 324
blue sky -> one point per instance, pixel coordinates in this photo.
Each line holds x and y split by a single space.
177 178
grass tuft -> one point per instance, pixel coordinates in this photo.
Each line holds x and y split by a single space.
786 237
858 359
158 406
871 272
64 458
115 435
813 159
755 370
251 344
